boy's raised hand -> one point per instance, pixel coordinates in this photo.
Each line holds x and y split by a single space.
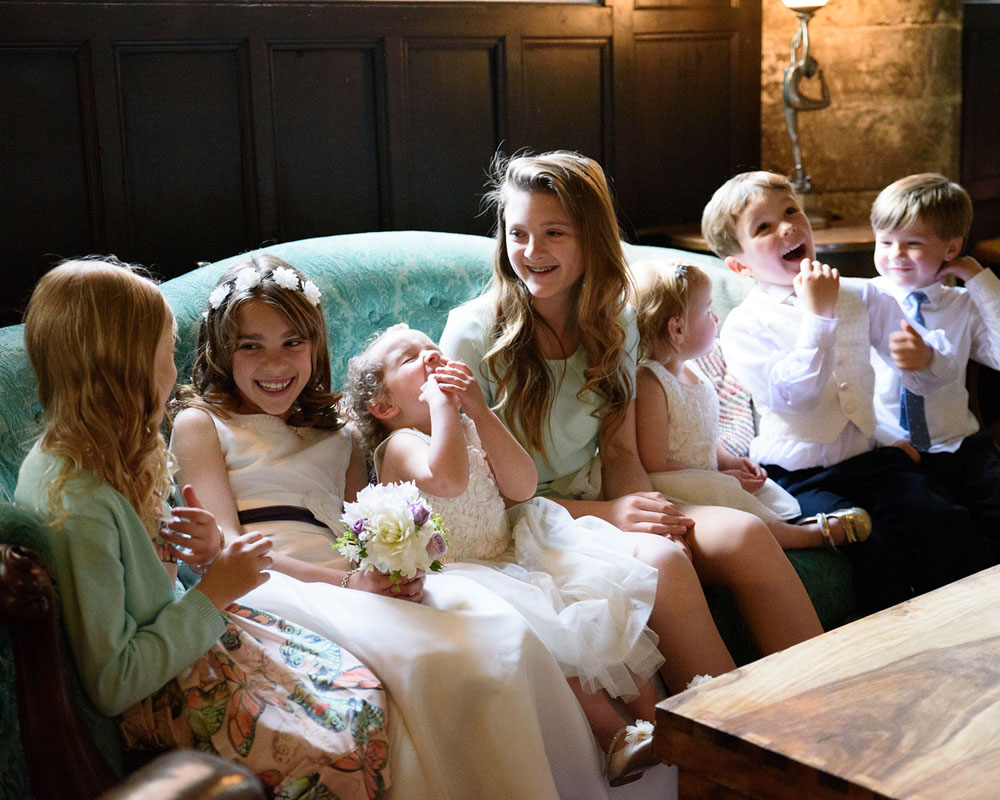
962 268
908 349
817 285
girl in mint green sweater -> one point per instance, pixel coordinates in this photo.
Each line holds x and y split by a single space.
182 668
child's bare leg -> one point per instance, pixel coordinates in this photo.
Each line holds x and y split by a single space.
794 537
604 720
689 640
737 550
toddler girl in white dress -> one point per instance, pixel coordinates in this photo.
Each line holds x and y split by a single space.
578 585
677 414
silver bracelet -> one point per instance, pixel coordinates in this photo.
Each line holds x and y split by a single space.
201 569
347 577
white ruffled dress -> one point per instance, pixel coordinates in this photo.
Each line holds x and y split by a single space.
574 580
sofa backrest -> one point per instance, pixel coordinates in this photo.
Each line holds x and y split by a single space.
369 281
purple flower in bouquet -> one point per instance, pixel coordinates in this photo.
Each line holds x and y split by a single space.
420 512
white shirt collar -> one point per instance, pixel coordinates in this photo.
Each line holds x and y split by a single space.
777 293
934 291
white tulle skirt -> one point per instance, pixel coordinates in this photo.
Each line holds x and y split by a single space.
703 487
579 587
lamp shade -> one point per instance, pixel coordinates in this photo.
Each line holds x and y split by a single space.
804 5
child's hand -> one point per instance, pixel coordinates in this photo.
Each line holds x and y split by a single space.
238 569
909 449
192 533
750 474
431 394
647 512
817 286
908 350
457 380
963 268
376 582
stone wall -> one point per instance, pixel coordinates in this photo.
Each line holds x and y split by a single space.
893 68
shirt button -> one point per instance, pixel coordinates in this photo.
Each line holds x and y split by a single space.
843 386
849 408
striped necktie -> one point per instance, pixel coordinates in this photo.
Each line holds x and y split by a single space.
911 406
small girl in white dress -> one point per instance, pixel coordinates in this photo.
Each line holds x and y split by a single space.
585 596
677 415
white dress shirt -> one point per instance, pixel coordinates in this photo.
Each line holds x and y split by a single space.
970 318
788 360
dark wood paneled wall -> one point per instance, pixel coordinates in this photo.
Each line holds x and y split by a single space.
176 132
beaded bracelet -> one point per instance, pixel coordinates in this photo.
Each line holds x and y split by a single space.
347 577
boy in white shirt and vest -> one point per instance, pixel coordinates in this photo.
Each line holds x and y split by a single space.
920 224
799 343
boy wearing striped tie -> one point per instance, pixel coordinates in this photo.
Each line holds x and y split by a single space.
920 225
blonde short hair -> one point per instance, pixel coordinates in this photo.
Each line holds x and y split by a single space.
718 220
941 203
661 291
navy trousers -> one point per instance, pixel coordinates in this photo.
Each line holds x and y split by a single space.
922 536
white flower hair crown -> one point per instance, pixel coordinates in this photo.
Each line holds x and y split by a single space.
249 277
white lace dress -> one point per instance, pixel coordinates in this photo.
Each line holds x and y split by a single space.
478 707
694 434
574 580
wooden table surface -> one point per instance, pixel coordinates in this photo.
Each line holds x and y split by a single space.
902 704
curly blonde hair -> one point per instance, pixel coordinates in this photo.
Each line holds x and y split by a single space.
92 329
365 384
525 384
661 291
212 385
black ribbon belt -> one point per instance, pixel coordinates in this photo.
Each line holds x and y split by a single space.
278 513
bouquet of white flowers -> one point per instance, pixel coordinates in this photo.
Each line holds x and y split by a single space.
390 528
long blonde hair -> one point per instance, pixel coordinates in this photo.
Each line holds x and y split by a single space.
526 385
212 384
91 329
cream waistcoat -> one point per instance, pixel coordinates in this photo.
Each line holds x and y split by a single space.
847 396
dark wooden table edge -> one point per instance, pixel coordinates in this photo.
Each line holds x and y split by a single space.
708 759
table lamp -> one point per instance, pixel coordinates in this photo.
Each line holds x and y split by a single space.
803 67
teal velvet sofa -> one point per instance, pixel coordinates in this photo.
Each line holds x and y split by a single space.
368 281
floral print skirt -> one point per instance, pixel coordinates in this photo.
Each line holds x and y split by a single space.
296 709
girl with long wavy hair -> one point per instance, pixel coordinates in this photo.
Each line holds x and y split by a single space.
553 343
180 668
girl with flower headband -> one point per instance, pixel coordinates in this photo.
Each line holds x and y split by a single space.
677 415
261 440
552 343
426 421
196 668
